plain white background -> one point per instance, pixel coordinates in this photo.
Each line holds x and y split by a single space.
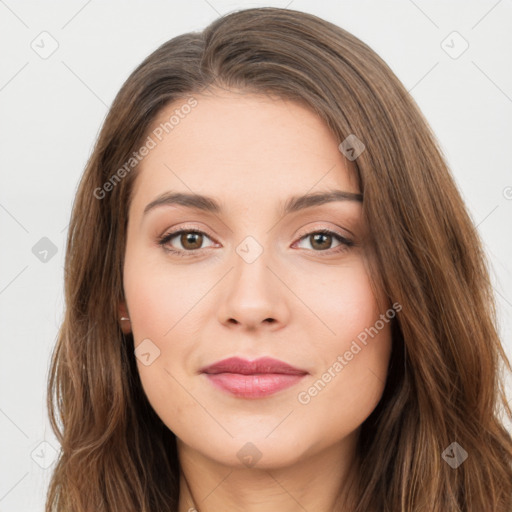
52 107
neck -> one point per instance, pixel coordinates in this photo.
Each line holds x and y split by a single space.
323 482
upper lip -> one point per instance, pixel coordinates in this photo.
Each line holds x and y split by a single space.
258 366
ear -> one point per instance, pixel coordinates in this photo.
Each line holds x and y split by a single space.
122 312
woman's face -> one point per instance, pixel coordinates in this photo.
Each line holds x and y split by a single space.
252 277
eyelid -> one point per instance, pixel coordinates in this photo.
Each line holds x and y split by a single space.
322 228
167 236
184 228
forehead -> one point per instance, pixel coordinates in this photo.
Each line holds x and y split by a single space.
242 146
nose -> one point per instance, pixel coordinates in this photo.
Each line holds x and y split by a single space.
254 296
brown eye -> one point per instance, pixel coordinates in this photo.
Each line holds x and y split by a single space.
321 241
191 240
184 241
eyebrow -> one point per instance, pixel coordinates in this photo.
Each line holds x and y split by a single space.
208 204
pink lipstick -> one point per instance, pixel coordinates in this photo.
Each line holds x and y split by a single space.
252 379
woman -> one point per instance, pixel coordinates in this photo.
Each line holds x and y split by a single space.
275 297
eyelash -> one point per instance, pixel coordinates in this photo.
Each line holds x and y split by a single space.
345 243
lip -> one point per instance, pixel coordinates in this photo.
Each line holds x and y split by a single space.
252 379
246 367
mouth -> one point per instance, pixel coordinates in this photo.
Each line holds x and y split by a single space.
252 379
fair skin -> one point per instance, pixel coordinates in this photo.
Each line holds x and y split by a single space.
251 153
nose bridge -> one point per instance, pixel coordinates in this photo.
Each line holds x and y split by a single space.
251 262
254 294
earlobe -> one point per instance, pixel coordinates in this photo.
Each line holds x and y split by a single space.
124 318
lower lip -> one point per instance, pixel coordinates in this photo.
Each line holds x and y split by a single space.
253 386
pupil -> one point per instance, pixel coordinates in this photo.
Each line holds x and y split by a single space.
320 236
191 238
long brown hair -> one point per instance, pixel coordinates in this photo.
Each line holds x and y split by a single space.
445 383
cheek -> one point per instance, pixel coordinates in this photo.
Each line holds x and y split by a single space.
162 301
160 295
340 397
351 355
341 299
